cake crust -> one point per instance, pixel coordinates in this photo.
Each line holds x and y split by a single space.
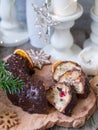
78 80
61 67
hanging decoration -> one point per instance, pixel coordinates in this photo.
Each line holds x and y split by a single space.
44 20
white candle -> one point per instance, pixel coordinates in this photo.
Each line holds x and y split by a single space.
46 1
96 7
64 7
89 60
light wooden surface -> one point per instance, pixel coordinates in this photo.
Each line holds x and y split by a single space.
79 38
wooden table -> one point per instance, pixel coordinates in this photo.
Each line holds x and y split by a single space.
79 38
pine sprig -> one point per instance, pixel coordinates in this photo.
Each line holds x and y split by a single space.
7 81
93 122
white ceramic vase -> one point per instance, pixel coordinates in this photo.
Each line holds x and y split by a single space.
36 34
8 14
12 32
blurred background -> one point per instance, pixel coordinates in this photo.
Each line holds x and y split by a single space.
83 22
82 25
80 30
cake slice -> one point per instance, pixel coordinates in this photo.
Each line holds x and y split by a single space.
61 67
62 97
78 80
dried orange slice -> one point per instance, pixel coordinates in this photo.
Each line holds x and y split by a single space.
56 64
94 84
24 54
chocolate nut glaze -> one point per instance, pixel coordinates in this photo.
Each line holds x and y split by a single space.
32 97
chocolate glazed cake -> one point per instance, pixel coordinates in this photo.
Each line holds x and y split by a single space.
79 82
32 97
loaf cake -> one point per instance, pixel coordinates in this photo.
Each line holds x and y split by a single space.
32 97
78 80
61 67
62 97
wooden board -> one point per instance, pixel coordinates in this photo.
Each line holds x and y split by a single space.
82 112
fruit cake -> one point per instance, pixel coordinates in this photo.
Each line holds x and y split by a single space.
61 67
78 81
62 97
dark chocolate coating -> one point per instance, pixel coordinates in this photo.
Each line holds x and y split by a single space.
19 66
32 97
73 101
86 89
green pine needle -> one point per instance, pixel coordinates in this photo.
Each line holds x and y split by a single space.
93 120
7 81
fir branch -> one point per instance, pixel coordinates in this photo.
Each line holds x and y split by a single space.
93 120
7 81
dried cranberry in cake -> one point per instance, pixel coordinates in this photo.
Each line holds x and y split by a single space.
61 67
62 97
78 80
32 98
